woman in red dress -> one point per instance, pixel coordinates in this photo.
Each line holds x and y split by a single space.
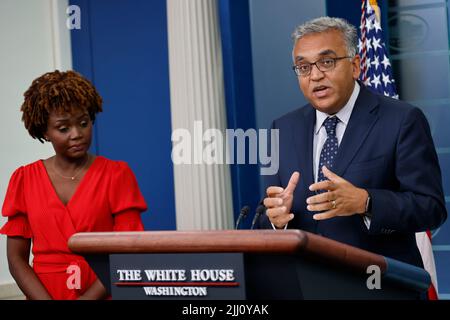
49 200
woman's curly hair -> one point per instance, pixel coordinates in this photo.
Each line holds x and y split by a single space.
60 92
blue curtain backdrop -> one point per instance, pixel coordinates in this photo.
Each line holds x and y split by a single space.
122 47
240 104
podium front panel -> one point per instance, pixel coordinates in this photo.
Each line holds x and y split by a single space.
190 276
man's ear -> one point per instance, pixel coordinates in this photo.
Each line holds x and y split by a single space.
356 65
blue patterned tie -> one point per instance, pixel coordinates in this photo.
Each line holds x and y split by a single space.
330 147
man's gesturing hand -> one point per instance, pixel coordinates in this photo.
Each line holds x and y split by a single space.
279 202
342 198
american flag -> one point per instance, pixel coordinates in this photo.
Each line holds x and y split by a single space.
376 74
376 69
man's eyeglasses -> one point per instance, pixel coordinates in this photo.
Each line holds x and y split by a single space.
324 64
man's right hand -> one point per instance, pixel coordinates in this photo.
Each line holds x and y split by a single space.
279 202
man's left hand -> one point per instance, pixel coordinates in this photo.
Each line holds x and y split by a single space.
342 198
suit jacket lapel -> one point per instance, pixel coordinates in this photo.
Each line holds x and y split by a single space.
303 142
360 124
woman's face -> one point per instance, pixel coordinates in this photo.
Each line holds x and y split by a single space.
70 133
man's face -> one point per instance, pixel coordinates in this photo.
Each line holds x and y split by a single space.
327 91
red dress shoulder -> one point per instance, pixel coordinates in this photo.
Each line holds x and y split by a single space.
125 198
14 207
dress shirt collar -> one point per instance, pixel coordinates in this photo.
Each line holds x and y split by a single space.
343 114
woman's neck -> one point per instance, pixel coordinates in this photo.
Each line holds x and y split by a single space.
69 165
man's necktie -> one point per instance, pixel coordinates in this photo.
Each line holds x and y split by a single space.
330 148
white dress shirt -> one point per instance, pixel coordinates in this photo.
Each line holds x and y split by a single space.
320 133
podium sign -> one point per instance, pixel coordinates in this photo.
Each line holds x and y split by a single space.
189 276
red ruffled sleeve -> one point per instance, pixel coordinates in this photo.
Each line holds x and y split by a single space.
14 207
125 199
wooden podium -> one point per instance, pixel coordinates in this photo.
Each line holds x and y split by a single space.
242 264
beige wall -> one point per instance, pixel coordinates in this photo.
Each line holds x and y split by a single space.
34 39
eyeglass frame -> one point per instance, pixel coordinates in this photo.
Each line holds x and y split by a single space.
315 63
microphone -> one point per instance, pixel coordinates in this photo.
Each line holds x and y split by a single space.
260 210
244 212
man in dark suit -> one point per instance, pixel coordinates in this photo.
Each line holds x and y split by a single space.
355 167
